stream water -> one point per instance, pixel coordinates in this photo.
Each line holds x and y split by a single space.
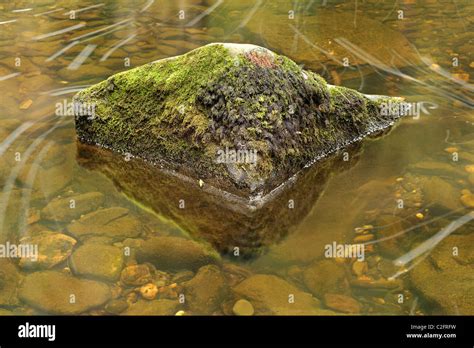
104 224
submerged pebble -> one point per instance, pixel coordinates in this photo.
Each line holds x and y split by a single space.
342 303
53 248
135 275
207 290
467 199
56 289
469 168
68 208
243 308
149 291
97 261
363 238
359 268
116 306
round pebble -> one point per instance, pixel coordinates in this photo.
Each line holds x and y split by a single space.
136 275
243 307
149 291
468 199
469 168
451 149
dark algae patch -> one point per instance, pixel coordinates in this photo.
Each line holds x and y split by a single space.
182 112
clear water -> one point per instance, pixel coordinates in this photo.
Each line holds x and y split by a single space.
423 53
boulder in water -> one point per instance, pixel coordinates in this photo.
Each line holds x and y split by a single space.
235 117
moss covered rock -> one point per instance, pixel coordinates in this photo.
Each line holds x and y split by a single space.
239 117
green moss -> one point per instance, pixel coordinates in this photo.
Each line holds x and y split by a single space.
164 100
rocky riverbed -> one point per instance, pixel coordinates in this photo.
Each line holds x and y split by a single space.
143 272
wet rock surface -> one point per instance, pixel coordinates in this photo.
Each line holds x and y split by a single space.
243 308
97 261
6 312
9 281
68 208
176 253
53 248
58 293
270 294
446 278
440 192
115 223
206 291
116 306
342 303
326 276
156 307
135 275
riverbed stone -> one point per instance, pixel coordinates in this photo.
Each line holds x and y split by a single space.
316 37
270 294
9 281
391 246
436 168
175 253
186 111
52 180
359 268
440 192
182 276
52 292
206 291
53 248
342 303
63 209
470 178
116 306
155 307
243 308
467 199
446 278
116 223
136 275
326 276
98 261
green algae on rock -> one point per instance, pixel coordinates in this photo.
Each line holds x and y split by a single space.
195 114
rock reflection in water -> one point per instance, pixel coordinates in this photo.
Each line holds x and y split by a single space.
226 222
